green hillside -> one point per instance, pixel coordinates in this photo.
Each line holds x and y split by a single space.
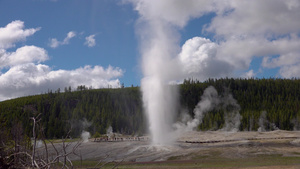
119 108
95 110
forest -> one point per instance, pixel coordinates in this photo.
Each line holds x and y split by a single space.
94 110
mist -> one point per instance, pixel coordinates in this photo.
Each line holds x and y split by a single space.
212 100
85 136
157 29
262 122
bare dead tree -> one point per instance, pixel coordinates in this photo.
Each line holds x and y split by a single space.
24 156
39 159
17 132
64 154
35 120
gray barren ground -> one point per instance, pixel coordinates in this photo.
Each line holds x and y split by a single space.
198 147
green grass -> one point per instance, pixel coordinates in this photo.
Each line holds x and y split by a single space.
92 164
60 140
203 162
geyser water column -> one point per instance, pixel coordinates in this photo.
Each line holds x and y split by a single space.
157 28
159 96
157 109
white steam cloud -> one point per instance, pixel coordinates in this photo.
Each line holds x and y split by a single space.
109 130
158 30
232 115
242 31
211 100
85 136
262 121
159 47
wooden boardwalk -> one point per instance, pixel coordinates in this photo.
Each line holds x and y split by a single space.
245 139
118 139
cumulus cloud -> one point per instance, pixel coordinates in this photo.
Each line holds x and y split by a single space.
69 36
26 75
242 30
14 32
290 71
23 55
265 29
283 60
54 43
249 74
199 59
267 18
27 79
90 41
176 12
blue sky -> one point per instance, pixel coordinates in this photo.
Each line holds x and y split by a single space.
110 22
44 43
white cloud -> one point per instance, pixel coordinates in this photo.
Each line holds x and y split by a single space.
28 79
266 18
249 74
26 75
54 43
290 71
268 29
242 30
70 35
23 55
176 12
199 59
14 32
90 41
282 60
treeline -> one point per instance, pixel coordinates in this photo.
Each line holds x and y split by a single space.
277 101
94 110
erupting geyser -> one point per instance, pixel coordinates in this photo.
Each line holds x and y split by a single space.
158 31
159 97
157 28
158 100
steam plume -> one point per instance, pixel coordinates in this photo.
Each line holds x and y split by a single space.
85 136
262 121
157 29
296 124
211 100
109 131
232 115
